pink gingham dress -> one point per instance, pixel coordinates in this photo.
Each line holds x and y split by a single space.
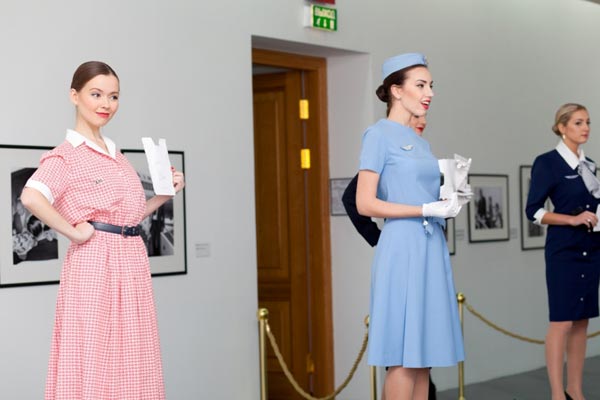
105 344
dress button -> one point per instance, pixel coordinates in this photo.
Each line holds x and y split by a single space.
587 206
583 275
585 253
581 298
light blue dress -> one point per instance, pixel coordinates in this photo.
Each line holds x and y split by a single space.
413 314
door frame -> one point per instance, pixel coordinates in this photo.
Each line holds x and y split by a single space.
321 324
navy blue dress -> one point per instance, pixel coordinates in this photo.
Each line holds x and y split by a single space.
572 253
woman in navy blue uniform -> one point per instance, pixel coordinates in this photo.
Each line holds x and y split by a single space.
566 177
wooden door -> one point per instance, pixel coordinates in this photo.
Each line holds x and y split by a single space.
292 220
280 222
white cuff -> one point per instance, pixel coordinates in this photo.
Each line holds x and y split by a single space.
42 188
539 214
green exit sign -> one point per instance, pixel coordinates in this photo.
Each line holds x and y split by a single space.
323 18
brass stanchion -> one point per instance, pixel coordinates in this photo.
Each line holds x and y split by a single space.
373 382
460 297
372 371
263 316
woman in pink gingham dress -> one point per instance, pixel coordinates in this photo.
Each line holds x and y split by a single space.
105 344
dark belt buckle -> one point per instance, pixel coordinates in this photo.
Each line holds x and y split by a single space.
129 231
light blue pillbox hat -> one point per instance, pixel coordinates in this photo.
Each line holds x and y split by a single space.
401 61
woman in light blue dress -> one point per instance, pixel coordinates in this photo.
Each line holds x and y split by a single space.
414 322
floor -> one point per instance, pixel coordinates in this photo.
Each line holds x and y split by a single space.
532 385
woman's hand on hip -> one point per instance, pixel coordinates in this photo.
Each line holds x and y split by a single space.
84 231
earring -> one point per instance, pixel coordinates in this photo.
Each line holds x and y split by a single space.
564 137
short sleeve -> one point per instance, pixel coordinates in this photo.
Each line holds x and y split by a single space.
373 153
51 177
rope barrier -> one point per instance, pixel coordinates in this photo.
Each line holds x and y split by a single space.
266 329
293 381
509 333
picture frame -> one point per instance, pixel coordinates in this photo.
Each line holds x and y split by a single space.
533 236
488 211
337 186
31 252
450 234
164 231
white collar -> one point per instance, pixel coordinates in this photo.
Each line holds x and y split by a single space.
568 155
76 138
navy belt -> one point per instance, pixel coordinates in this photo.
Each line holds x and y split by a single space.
119 230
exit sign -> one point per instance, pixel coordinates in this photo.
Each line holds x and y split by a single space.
321 17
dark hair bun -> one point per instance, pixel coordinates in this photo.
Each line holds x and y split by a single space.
88 71
382 94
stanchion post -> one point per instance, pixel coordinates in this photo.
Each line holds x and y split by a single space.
460 297
372 371
263 316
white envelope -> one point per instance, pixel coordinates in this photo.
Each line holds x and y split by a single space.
159 166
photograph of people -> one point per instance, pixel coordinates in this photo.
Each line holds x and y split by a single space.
414 322
32 239
572 249
157 229
105 343
488 203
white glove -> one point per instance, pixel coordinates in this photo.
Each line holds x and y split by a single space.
448 208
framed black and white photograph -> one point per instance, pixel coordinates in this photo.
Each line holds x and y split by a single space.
336 191
533 236
450 233
31 252
163 231
488 210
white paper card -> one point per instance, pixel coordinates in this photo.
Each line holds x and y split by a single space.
597 227
159 166
456 172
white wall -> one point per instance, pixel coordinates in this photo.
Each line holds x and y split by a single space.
500 70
